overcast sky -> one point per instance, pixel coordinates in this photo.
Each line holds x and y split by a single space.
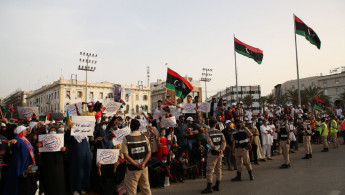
38 39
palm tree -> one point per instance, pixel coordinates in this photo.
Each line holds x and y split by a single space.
341 99
292 96
282 100
248 101
270 98
262 102
310 93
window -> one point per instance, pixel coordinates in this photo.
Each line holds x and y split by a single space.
68 94
302 85
325 92
127 107
293 87
313 84
137 108
127 97
110 95
91 94
79 94
145 97
137 97
324 83
101 95
337 81
338 91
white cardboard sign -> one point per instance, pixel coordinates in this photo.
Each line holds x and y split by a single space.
205 107
112 107
72 110
107 156
188 108
83 125
27 112
50 142
168 122
120 134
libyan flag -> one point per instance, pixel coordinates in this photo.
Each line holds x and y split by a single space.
319 105
249 51
178 84
304 30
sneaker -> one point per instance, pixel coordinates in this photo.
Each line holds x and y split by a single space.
76 193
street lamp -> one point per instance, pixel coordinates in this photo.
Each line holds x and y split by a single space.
205 78
87 68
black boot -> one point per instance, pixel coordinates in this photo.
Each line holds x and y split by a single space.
216 187
306 156
310 156
237 178
283 166
208 189
324 150
251 177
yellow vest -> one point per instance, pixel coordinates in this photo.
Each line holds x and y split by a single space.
324 128
318 126
335 128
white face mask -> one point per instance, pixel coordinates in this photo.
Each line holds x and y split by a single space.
164 161
173 156
104 127
61 129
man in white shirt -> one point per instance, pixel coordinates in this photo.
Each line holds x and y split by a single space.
267 139
299 112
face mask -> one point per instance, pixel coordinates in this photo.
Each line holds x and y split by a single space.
52 132
104 127
164 161
162 134
260 122
173 156
61 129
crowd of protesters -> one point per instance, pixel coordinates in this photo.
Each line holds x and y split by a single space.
177 153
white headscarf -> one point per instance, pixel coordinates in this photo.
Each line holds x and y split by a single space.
19 129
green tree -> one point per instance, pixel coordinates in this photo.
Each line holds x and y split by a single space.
271 99
248 101
262 102
292 96
310 93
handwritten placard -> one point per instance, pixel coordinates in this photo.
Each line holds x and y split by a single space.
50 142
83 125
112 107
143 124
27 112
168 122
205 107
107 156
119 135
188 108
72 110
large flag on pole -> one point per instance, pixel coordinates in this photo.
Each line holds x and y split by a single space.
178 84
319 104
302 29
249 51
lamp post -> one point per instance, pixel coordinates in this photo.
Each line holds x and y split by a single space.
205 78
87 68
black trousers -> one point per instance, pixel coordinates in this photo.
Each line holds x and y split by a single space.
253 153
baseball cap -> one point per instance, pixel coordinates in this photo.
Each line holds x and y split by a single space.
90 104
190 119
227 121
3 125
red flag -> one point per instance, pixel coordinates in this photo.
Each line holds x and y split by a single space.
318 99
48 116
11 107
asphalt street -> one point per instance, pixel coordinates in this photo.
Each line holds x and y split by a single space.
324 174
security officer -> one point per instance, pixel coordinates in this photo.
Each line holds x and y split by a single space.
307 138
242 144
283 130
216 140
334 131
136 150
317 130
324 135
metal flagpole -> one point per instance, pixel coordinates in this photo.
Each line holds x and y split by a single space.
236 72
298 88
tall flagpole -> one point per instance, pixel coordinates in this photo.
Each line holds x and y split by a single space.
298 88
236 72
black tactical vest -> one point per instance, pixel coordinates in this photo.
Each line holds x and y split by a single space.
283 133
137 149
240 138
216 138
308 128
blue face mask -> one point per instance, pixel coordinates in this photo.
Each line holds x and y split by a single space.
52 132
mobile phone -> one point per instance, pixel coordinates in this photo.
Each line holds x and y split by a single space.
34 168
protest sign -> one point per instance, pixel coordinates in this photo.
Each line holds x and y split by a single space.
112 107
27 112
143 124
205 107
83 125
157 114
117 92
50 142
188 108
56 116
72 110
120 134
168 122
107 156
32 124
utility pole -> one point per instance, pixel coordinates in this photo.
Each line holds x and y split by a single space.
87 68
205 78
148 75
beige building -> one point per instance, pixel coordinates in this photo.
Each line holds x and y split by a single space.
332 85
16 99
54 97
159 91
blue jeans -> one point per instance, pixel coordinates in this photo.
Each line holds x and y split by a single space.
227 154
190 143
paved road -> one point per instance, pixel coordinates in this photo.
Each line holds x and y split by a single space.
324 174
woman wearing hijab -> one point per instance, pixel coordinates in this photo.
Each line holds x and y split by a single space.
22 168
52 177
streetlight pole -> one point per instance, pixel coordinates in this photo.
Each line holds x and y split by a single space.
205 78
87 68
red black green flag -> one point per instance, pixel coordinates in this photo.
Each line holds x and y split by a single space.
178 84
249 51
304 30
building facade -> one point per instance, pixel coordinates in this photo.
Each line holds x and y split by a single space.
159 91
332 85
54 97
16 99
